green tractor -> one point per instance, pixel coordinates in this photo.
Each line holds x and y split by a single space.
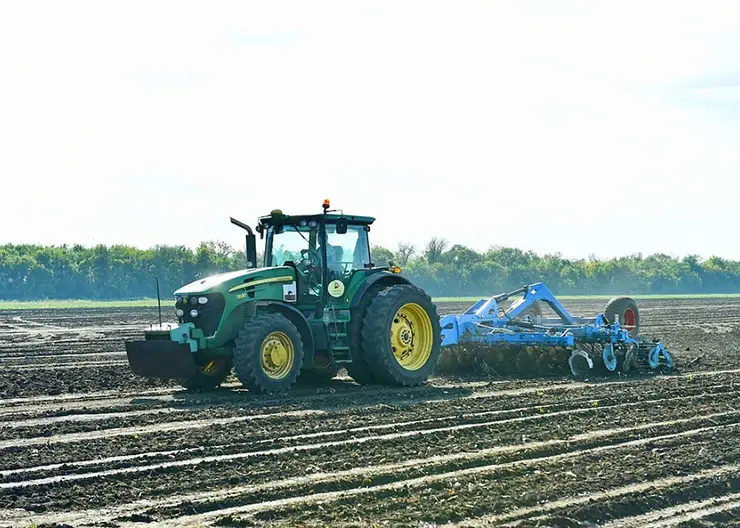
318 304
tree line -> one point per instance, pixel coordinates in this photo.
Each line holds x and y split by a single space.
29 272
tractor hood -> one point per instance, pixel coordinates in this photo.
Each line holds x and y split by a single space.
223 282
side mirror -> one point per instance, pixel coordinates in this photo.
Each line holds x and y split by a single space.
342 224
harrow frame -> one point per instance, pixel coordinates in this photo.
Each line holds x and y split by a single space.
485 323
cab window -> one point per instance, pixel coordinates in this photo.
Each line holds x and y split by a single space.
289 243
348 251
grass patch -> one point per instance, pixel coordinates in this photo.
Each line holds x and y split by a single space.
607 297
70 304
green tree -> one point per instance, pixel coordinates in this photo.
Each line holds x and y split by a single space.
404 253
381 256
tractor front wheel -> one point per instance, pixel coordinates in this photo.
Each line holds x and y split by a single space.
210 373
401 336
268 354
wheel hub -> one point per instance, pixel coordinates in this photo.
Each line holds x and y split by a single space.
277 355
406 336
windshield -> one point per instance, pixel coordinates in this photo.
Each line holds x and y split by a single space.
287 242
345 252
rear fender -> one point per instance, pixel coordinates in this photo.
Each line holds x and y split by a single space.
380 280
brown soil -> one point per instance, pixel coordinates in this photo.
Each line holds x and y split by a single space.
86 443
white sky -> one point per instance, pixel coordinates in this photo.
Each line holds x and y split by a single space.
589 127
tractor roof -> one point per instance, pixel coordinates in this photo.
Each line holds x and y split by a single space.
277 217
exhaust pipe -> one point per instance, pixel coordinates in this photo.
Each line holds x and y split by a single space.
580 363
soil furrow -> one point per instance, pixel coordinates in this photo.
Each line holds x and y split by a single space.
574 449
63 366
37 426
195 424
153 456
22 358
30 422
225 439
210 516
84 441
301 447
163 427
675 515
534 513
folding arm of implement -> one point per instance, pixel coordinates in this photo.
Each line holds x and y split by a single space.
485 323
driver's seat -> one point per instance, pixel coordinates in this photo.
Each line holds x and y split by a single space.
334 260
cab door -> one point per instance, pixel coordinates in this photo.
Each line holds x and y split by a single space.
345 254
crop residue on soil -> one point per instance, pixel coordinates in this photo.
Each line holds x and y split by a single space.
86 443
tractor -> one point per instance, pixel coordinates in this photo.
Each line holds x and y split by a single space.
318 304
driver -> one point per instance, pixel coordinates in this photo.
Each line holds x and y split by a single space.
334 258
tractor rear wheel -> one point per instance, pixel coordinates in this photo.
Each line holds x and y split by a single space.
358 369
625 310
401 336
210 373
268 354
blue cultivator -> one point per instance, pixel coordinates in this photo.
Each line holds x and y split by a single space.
519 339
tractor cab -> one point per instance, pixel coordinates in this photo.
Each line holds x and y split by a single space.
325 250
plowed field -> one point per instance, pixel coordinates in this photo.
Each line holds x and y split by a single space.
85 443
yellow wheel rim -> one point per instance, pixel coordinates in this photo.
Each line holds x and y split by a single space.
412 336
277 355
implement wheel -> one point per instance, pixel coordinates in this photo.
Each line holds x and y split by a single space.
401 336
211 372
625 310
268 354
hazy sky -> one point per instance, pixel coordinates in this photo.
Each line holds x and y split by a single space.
589 127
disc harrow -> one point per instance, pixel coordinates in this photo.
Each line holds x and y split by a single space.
519 341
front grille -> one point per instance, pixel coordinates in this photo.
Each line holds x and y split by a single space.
209 314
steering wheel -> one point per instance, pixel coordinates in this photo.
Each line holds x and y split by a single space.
312 256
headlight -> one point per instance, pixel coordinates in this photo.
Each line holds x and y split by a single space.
193 313
193 300
202 300
178 299
179 312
